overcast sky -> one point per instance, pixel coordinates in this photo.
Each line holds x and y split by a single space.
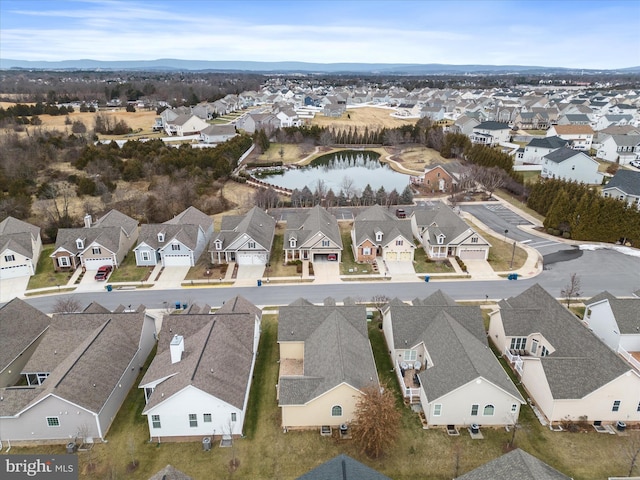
555 33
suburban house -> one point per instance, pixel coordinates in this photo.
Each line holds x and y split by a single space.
77 377
490 133
105 242
244 239
186 124
464 124
178 242
217 133
571 165
569 373
443 234
312 235
378 233
21 329
253 122
198 383
343 467
515 464
325 361
579 136
443 362
436 178
616 321
621 149
537 148
20 247
624 186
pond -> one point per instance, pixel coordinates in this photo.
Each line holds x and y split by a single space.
345 170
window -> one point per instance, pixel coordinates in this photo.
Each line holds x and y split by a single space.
206 418
96 250
9 258
366 251
378 236
175 247
53 422
616 406
518 343
155 421
410 355
544 352
488 410
218 245
336 411
474 409
325 243
161 237
79 244
193 420
638 407
292 243
252 244
474 239
534 347
63 261
514 407
399 243
233 416
440 239
437 410
145 256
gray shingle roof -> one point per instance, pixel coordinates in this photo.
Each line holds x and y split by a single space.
17 236
336 350
626 312
491 125
316 220
217 358
114 218
343 467
580 363
440 219
106 231
552 142
562 154
256 224
456 341
627 181
185 234
515 464
192 216
85 355
626 140
20 325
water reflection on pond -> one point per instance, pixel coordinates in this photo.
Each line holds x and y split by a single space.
340 171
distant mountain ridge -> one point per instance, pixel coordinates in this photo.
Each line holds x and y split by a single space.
172 64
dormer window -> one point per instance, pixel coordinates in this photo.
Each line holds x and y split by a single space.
474 239
79 243
161 237
440 239
218 244
378 236
292 242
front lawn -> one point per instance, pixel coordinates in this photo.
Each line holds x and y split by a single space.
422 264
277 268
45 275
128 271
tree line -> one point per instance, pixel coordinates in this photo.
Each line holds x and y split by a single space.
577 211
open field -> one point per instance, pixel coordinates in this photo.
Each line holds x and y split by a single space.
372 117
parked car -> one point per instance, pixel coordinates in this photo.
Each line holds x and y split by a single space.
103 272
400 213
635 163
332 257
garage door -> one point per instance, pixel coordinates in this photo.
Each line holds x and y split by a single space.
391 256
251 258
472 255
405 256
177 260
96 263
15 271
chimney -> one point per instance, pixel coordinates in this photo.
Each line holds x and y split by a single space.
87 221
177 347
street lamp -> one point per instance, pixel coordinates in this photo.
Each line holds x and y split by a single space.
505 235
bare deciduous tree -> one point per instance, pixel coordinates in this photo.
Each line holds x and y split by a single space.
377 420
379 301
66 304
571 289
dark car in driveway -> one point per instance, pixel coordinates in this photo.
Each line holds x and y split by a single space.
103 272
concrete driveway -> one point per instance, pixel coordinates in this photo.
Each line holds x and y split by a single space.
481 270
401 271
325 271
171 277
248 275
11 288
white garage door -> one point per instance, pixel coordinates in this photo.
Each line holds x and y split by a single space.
472 255
96 263
243 258
391 256
15 271
177 260
405 256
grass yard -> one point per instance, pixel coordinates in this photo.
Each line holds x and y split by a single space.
348 265
128 271
421 265
276 260
417 157
372 117
530 177
501 253
45 275
291 153
204 266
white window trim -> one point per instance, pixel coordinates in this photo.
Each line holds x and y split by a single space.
54 419
334 407
477 409
156 419
64 261
493 411
437 409
193 420
10 258
145 256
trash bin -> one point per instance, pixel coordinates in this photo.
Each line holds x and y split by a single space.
515 276
178 305
109 288
71 447
206 444
426 278
184 306
259 283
